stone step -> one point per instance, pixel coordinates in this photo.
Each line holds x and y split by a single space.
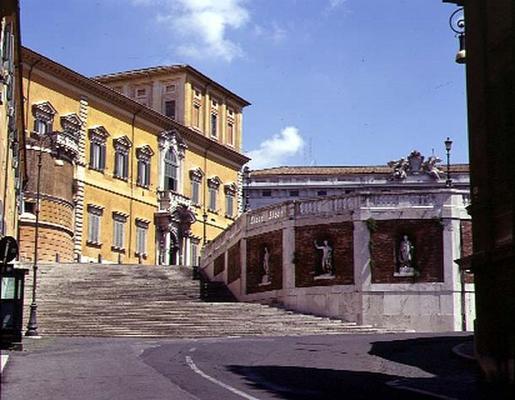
155 301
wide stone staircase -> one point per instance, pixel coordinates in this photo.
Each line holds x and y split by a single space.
155 301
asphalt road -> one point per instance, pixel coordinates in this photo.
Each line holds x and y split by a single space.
395 366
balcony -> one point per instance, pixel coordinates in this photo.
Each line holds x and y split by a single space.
170 200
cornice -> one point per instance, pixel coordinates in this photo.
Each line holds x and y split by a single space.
116 99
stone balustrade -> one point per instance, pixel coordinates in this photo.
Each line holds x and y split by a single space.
169 200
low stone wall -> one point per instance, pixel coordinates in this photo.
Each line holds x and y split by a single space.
341 257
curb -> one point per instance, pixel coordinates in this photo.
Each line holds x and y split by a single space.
463 351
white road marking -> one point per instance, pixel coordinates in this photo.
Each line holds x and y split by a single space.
195 369
398 385
193 349
3 361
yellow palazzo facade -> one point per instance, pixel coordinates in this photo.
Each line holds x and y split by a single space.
120 182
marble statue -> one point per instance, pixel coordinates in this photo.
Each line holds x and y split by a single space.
265 278
327 259
405 257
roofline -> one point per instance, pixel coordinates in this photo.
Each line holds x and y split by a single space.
124 102
380 169
123 75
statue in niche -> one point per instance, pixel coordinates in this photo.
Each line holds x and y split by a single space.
405 257
325 270
265 268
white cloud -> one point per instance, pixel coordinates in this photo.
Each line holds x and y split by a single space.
336 3
273 32
274 151
203 25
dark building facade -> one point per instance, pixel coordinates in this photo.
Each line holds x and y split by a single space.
490 46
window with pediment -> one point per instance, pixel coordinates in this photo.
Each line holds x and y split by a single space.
171 153
97 147
43 117
94 219
119 220
213 184
122 146
196 176
230 195
144 155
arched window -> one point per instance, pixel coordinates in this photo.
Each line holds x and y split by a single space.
171 170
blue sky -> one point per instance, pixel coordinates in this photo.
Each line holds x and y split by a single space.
331 82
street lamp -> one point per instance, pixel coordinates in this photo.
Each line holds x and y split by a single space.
457 24
448 146
32 325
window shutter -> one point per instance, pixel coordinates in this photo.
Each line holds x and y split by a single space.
125 166
102 155
147 173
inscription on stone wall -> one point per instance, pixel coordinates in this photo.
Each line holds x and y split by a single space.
267 215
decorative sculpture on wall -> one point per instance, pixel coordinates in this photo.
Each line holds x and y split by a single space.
326 269
265 268
405 257
414 164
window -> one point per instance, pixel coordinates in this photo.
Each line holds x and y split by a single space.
141 237
119 220
29 206
94 218
230 133
43 117
196 115
121 157
266 193
141 96
294 193
214 125
171 170
121 165
194 253
42 127
195 192
196 179
144 173
143 154
170 89
229 205
230 194
97 156
322 193
212 198
213 184
97 148
169 108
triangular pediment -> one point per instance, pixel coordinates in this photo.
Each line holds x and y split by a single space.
122 141
196 174
71 122
98 132
230 188
145 151
45 108
214 182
